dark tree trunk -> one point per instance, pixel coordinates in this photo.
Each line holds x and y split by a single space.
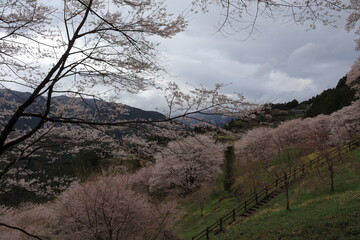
332 175
287 183
287 196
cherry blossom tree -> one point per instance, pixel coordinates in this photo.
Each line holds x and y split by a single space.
201 196
252 177
280 150
254 153
38 220
289 139
186 164
345 123
319 131
325 132
353 19
109 209
353 77
321 141
244 14
255 145
83 49
103 208
88 44
276 151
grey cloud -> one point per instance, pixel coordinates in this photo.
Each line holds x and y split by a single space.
306 54
279 62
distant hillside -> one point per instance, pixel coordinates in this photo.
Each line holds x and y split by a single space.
327 102
196 118
90 105
42 168
271 115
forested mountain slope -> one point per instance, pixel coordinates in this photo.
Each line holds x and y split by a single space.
331 99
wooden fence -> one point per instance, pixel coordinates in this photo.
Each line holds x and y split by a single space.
275 187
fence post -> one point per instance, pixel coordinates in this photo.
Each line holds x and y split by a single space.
221 224
207 233
294 174
256 197
245 206
233 214
267 190
276 184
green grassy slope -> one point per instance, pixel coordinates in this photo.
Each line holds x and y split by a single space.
217 204
315 213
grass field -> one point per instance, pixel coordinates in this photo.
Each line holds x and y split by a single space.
216 205
315 213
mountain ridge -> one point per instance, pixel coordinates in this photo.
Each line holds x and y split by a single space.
90 105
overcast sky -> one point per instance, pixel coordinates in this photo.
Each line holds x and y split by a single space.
280 62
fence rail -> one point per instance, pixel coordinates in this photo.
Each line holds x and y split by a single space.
267 191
